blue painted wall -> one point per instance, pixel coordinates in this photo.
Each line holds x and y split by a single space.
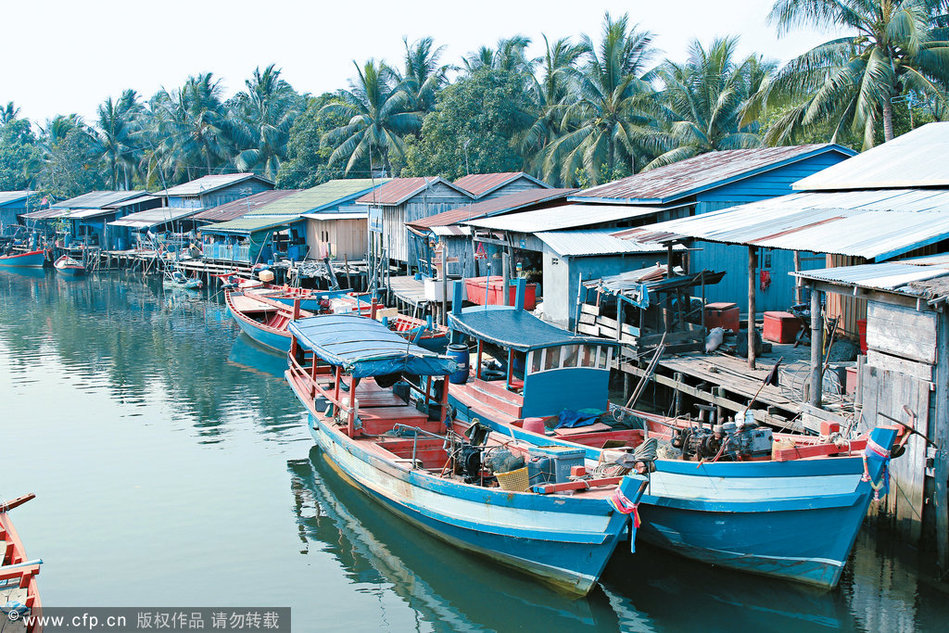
550 392
734 259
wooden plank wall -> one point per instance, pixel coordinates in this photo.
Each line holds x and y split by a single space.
899 371
886 392
849 309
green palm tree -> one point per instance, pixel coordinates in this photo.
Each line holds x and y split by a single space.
423 76
896 47
550 94
510 55
703 100
266 111
379 114
609 127
117 136
9 113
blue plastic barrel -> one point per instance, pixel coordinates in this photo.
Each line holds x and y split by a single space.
458 352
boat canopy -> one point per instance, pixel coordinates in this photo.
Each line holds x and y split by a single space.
515 329
364 347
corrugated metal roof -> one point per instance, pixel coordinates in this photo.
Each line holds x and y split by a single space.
915 159
153 217
329 216
891 276
97 199
495 206
877 225
593 242
706 171
147 197
316 198
483 184
243 206
451 230
213 182
569 216
45 214
9 197
250 224
398 190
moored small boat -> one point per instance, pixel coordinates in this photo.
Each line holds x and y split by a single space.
177 279
377 407
31 259
19 596
733 498
69 266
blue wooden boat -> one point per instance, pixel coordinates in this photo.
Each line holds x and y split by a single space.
377 407
262 319
69 267
796 518
177 279
266 320
31 259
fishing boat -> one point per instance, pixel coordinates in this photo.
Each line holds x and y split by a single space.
177 279
377 407
263 319
19 596
731 498
31 259
266 320
69 266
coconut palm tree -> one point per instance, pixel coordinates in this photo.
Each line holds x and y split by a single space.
703 100
609 127
893 47
117 135
510 55
266 111
550 94
380 114
9 113
422 76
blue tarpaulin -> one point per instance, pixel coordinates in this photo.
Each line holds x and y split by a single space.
583 417
515 329
364 347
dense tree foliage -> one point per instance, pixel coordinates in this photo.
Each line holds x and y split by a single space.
586 111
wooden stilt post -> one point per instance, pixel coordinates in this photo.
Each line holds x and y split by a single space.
444 281
752 269
817 348
505 276
797 280
941 438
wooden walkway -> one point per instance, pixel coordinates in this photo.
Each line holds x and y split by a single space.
727 383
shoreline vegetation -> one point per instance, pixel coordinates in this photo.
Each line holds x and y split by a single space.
590 110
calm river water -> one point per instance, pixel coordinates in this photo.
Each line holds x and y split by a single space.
172 468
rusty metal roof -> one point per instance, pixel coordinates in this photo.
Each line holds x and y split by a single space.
483 184
703 172
153 217
494 206
213 182
398 190
915 159
238 208
876 225
892 276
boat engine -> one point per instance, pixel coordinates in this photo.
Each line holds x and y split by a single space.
724 442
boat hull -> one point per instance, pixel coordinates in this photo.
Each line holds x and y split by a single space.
277 341
69 267
795 520
566 542
33 259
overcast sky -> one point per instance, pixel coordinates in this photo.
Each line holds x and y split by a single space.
63 56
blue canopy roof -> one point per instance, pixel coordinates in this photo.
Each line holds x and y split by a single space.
364 347
515 329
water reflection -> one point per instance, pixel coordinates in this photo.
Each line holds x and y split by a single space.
145 347
449 589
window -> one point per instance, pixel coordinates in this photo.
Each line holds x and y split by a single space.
569 355
588 356
552 358
764 258
603 357
536 358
